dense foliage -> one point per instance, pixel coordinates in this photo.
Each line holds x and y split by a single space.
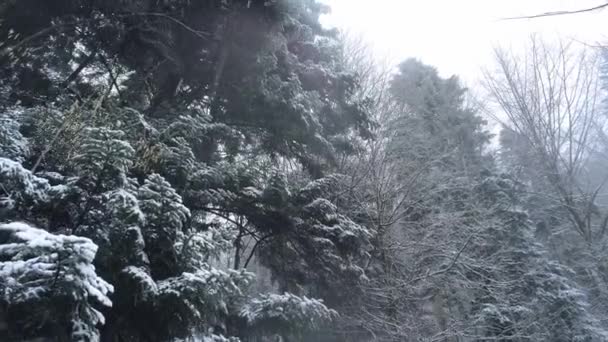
166 136
224 170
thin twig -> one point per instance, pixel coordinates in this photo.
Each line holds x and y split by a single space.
26 40
254 248
449 267
52 142
557 13
198 33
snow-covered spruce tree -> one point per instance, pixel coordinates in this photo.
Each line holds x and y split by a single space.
299 222
289 315
49 285
22 192
169 168
129 222
146 233
529 295
433 124
12 142
152 248
498 283
488 279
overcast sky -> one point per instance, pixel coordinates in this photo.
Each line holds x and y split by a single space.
457 36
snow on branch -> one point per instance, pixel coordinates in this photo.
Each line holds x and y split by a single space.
37 266
287 310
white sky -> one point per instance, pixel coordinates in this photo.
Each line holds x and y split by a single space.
457 36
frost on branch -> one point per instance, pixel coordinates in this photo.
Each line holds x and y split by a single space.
205 292
196 248
38 269
218 338
12 144
286 312
103 152
20 188
162 205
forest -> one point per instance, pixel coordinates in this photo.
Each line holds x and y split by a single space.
234 170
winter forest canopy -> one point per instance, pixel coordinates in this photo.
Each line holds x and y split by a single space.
231 170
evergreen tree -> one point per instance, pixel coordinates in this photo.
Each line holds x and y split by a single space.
434 120
50 285
158 156
167 166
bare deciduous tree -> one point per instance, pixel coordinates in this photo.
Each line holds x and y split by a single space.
551 98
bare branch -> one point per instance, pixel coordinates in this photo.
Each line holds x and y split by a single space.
558 13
